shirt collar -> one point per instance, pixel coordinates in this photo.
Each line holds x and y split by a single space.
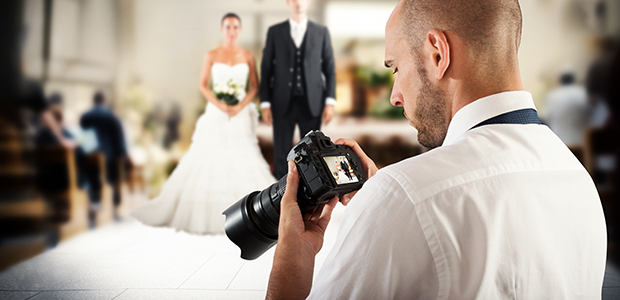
303 23
485 108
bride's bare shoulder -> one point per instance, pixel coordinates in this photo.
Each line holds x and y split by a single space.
212 54
249 56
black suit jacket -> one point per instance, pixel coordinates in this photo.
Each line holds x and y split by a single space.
277 68
109 132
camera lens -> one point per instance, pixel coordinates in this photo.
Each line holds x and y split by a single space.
252 222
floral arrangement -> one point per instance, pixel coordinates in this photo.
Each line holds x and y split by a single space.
227 93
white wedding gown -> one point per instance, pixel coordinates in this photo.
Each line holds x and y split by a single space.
223 164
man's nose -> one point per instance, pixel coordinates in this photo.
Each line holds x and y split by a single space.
396 98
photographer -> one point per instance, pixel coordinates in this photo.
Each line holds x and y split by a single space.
499 209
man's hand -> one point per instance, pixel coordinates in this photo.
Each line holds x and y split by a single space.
299 240
368 165
267 117
328 114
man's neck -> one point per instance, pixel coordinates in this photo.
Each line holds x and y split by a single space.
469 91
298 18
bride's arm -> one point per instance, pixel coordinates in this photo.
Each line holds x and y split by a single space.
205 76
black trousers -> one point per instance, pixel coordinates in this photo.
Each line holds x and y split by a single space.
284 129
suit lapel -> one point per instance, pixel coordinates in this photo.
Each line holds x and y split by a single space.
286 34
309 38
286 29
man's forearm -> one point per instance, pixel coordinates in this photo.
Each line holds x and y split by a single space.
299 240
291 274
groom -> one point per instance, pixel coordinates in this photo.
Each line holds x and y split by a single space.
296 57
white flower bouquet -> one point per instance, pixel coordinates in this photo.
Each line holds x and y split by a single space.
227 93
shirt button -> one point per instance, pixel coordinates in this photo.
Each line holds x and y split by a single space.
299 84
289 84
298 77
298 53
291 70
298 60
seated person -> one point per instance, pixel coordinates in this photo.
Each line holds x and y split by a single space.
498 209
46 136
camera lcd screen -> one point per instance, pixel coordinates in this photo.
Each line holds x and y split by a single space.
340 168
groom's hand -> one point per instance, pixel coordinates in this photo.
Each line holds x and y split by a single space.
328 114
267 117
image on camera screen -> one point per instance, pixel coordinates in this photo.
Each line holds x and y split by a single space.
340 168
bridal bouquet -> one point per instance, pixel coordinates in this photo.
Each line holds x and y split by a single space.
227 93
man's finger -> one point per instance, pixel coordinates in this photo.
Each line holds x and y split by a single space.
289 199
368 164
326 120
328 114
267 117
346 198
326 214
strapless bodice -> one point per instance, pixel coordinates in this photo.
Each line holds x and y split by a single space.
222 73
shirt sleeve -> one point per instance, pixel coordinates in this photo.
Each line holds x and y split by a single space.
330 101
381 251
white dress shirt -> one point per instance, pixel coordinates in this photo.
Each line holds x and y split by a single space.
502 211
298 31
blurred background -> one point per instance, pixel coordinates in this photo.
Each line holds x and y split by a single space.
142 59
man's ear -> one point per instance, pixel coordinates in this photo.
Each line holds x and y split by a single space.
438 50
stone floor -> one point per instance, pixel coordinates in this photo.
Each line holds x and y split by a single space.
126 260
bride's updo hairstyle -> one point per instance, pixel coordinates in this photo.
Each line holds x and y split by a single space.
231 15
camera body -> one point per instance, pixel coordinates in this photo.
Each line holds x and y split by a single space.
325 170
318 162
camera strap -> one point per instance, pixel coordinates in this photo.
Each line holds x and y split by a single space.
522 116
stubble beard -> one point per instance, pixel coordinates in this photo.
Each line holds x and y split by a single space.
430 113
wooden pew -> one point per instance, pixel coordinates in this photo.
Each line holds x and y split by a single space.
23 226
59 184
24 215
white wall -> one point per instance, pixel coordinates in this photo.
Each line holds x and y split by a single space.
557 34
169 39
111 44
83 50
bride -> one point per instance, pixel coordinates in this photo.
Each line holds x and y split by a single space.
224 162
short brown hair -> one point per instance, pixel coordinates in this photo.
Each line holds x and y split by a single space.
484 25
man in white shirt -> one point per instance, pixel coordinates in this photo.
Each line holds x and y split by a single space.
298 79
499 209
567 111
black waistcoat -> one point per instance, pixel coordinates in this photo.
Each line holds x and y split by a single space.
299 88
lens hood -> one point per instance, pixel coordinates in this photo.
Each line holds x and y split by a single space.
241 230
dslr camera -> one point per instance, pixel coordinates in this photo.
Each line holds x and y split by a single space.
325 170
